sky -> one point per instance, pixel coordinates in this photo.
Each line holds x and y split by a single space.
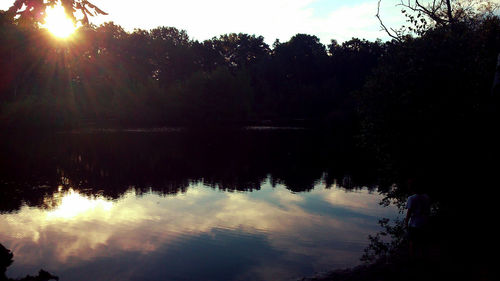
274 19
91 235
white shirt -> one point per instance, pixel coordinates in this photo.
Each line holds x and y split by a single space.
420 206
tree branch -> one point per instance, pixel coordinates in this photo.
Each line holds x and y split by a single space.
431 12
394 36
449 11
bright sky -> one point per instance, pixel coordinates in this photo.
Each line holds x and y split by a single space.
327 19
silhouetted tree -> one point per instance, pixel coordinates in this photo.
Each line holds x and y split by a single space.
171 55
302 59
430 91
241 50
425 15
6 259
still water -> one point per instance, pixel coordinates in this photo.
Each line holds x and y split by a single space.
178 206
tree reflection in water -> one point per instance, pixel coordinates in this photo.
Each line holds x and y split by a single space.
167 163
105 199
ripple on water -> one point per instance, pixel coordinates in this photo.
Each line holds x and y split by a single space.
224 235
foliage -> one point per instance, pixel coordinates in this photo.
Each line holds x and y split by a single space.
429 96
427 111
105 76
387 244
6 259
34 10
421 104
241 50
425 15
215 98
413 97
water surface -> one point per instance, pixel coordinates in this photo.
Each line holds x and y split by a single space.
172 206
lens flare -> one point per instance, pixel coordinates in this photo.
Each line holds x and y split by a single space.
58 23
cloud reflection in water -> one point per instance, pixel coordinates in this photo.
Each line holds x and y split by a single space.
201 234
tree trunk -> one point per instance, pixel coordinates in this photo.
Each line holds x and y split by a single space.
449 11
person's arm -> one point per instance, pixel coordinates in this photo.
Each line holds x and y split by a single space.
408 215
409 211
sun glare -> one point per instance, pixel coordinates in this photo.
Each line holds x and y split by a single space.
74 204
58 23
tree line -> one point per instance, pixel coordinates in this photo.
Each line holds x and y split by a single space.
422 95
424 103
107 76
170 163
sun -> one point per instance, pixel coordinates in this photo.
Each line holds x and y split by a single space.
58 23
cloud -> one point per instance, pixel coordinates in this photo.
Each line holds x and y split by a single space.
270 18
273 19
358 21
99 228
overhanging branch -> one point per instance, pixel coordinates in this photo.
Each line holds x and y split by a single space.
394 34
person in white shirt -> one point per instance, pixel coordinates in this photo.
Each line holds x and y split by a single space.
417 219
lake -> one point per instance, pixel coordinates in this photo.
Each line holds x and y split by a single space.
169 204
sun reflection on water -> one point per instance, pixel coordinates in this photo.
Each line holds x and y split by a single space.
73 204
325 225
